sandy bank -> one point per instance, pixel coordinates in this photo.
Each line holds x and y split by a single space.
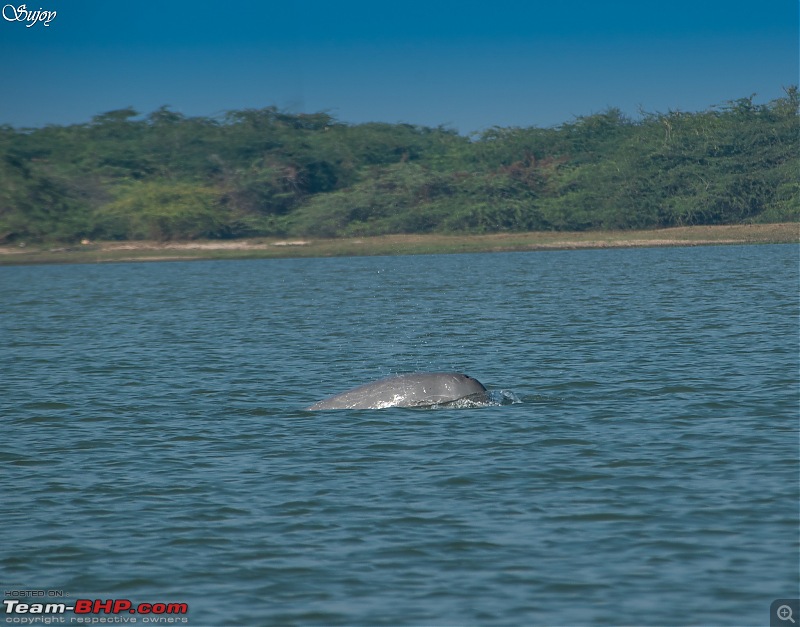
98 252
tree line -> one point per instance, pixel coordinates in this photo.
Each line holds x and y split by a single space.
264 172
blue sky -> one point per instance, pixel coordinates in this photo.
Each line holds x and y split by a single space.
468 65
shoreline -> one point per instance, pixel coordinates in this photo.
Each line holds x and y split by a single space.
404 244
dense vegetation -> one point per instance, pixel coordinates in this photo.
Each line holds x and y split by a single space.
266 172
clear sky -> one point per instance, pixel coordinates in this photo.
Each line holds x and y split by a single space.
465 64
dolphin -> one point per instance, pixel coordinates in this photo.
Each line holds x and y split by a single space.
418 389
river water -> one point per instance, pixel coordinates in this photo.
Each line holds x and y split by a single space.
154 447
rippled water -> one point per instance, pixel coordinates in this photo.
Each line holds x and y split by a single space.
154 449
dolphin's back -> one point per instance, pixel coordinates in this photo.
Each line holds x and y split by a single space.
419 389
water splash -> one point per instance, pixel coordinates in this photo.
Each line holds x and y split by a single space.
504 397
492 398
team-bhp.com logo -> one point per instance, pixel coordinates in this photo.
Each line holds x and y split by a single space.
88 611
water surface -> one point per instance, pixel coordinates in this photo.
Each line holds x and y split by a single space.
154 447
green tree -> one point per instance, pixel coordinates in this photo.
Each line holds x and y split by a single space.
162 210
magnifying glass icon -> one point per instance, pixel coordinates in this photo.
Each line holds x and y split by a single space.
785 613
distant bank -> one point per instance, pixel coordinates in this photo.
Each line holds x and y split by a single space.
407 244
